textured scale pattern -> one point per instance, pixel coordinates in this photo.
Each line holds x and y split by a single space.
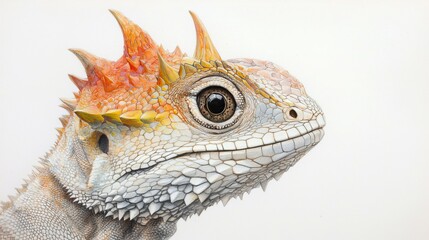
164 160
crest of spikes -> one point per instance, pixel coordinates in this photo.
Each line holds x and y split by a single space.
131 90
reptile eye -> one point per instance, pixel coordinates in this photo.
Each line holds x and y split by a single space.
103 143
216 104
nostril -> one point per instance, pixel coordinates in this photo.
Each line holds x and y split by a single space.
293 113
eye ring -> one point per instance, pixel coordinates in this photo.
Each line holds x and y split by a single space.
219 119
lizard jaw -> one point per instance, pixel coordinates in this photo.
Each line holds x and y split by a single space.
277 150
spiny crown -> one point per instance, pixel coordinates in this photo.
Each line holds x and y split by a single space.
131 90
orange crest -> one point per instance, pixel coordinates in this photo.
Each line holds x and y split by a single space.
131 90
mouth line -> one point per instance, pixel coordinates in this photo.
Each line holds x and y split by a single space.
142 170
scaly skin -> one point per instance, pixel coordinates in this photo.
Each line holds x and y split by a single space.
142 146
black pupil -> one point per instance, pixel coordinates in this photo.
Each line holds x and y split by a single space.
216 103
103 143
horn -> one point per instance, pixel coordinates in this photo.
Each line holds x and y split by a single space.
166 72
69 103
80 83
205 49
91 64
94 69
88 60
136 41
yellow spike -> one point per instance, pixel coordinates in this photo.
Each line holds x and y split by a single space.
198 65
113 115
222 70
187 60
182 72
148 117
90 114
132 118
166 72
205 64
189 69
161 116
205 49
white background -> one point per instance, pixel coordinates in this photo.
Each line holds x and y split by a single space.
365 62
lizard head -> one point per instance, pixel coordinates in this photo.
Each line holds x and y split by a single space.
162 135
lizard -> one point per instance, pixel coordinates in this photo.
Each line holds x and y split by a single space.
158 136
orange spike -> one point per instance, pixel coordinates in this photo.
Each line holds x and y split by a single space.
95 68
162 51
80 83
177 52
88 60
137 42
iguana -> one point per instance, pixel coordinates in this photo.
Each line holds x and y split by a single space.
157 136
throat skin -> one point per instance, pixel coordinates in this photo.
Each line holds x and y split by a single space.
43 210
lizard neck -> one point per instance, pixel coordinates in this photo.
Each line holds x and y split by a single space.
44 204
